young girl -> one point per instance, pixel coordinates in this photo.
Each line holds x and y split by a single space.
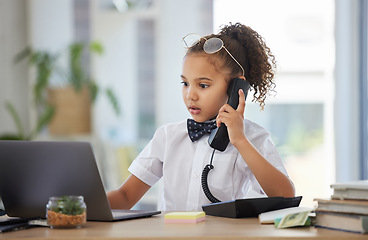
249 167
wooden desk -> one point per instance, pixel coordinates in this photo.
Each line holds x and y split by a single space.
155 228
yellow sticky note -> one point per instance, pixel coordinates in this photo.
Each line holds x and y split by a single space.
184 217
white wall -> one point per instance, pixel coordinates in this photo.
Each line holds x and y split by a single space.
50 24
13 77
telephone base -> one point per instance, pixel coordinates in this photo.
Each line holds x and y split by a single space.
250 207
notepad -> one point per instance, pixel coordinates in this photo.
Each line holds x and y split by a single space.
184 217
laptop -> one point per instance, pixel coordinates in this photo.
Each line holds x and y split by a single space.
33 171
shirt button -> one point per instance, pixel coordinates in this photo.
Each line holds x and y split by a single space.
196 174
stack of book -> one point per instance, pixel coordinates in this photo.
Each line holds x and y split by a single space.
346 210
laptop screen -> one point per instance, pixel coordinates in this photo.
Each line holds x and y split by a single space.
32 172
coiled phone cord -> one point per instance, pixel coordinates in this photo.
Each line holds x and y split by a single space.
205 188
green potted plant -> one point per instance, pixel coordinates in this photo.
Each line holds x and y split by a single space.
72 102
48 100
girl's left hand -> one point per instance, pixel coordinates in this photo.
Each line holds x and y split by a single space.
233 119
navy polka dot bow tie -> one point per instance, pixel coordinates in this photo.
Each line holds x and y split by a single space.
196 130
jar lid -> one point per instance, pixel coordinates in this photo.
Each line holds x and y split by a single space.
65 198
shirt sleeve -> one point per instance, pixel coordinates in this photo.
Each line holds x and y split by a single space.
262 141
148 165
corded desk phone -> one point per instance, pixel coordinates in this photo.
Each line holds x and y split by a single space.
219 140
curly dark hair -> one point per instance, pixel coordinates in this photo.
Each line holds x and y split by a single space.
250 50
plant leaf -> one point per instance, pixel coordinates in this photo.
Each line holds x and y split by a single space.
93 90
45 65
43 120
10 137
16 118
22 54
114 100
96 47
77 75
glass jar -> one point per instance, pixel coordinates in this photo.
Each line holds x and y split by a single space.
66 212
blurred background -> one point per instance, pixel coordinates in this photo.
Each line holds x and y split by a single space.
55 55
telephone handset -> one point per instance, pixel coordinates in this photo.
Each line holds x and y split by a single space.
219 138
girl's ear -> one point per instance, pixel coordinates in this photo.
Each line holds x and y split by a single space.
242 77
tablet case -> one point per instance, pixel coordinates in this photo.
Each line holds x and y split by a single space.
250 207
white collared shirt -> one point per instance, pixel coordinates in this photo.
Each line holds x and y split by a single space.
172 156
